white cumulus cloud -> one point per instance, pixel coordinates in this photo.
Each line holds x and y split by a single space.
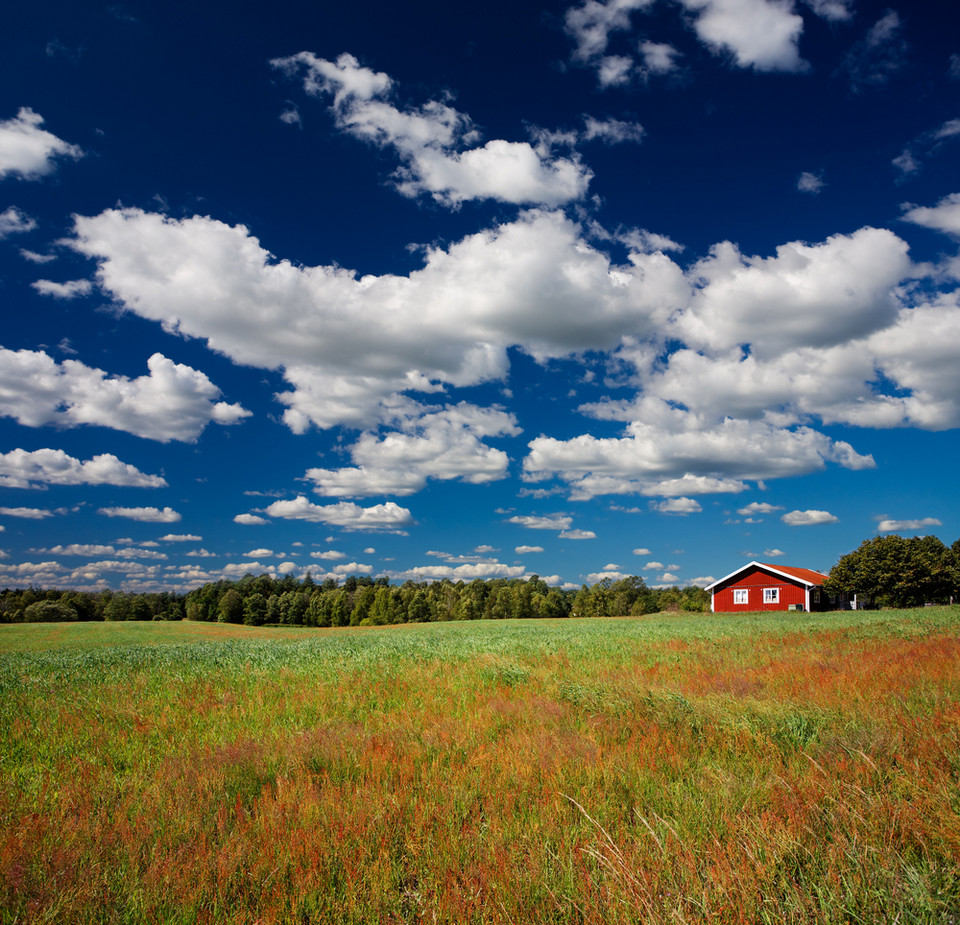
386 518
28 513
72 289
351 345
440 445
944 216
542 522
808 518
38 468
172 402
352 568
758 507
79 549
808 295
29 151
667 443
888 526
676 506
150 515
785 341
328 554
250 520
758 34
436 144
458 572
15 221
605 575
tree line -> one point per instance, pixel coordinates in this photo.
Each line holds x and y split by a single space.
263 600
39 605
363 601
891 571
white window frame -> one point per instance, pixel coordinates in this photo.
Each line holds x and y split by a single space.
741 595
771 595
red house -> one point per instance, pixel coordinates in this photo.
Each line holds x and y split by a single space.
758 586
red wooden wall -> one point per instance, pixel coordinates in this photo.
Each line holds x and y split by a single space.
755 581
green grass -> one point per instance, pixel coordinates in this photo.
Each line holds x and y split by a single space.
694 768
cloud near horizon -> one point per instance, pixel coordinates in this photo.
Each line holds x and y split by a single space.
150 515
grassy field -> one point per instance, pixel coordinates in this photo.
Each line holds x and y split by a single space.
692 768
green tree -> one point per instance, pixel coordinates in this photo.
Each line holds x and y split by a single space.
202 603
293 607
230 608
316 612
119 607
624 594
552 605
601 599
49 612
695 600
84 604
255 609
273 608
582 603
897 572
297 611
339 612
380 609
500 603
669 599
141 607
469 607
419 609
522 595
362 604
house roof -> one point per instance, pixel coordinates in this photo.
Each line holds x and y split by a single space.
806 576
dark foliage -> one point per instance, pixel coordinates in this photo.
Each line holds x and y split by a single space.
894 571
359 601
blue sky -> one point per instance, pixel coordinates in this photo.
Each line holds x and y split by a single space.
645 287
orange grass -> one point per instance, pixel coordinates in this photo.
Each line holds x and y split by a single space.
785 777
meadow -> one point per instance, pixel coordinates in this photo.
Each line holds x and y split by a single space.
692 768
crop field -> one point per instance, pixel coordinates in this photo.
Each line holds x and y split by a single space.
689 768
